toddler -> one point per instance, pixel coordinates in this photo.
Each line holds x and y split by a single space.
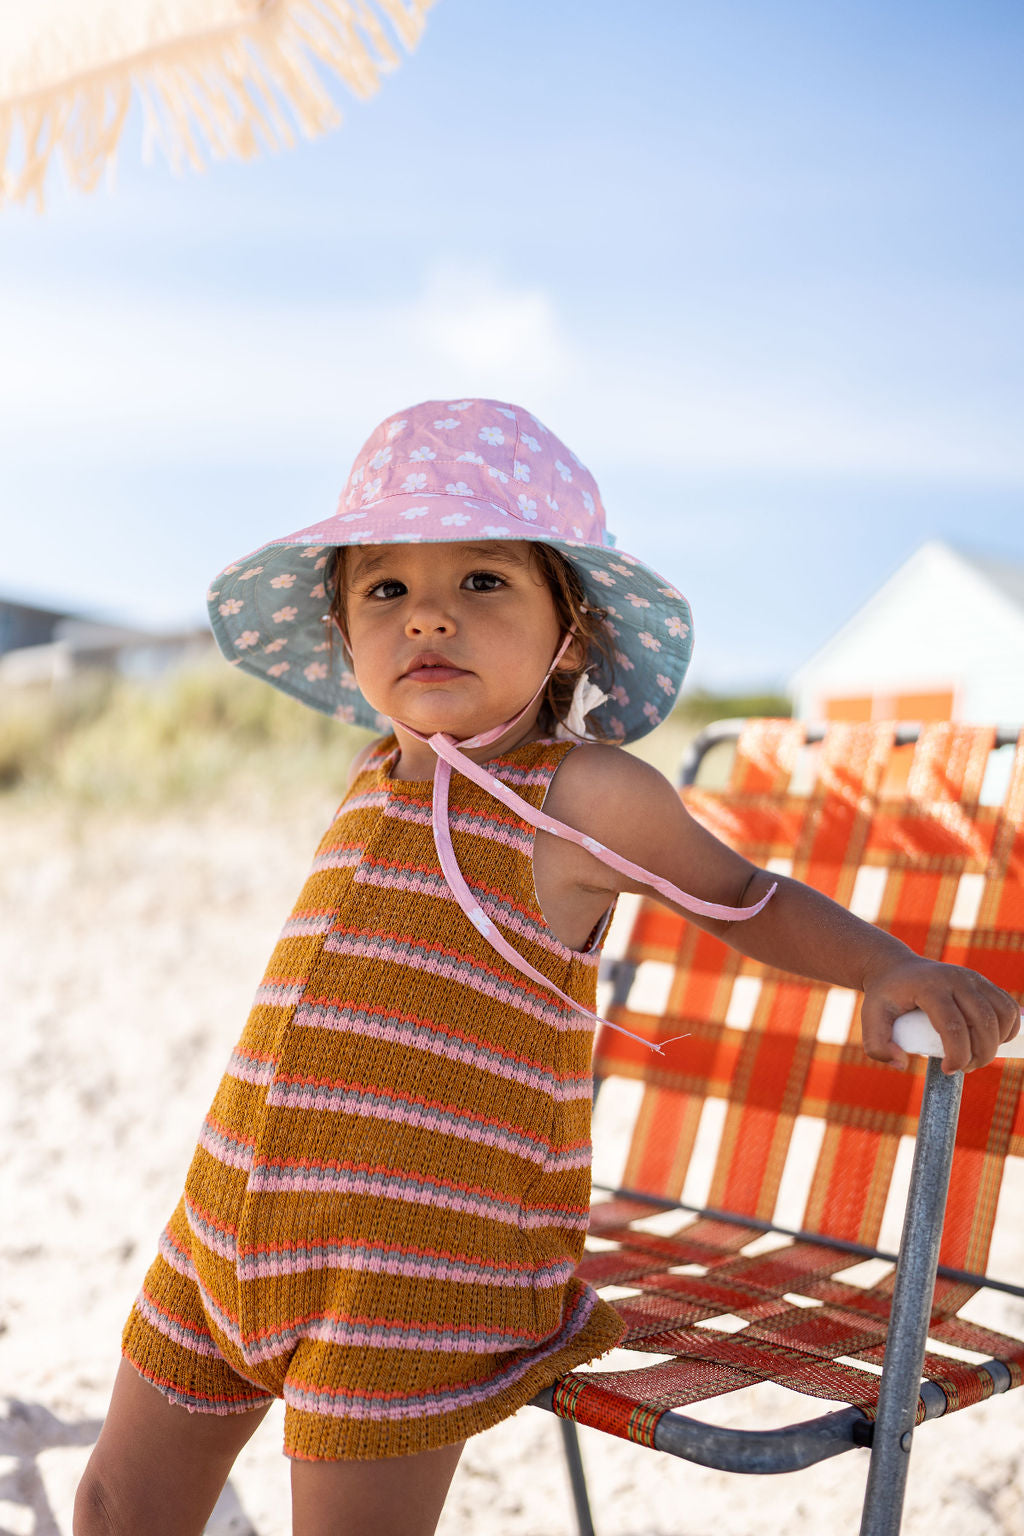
383 1216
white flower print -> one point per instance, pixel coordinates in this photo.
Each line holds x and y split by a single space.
667 684
254 570
620 695
447 426
275 645
578 531
469 458
247 638
624 661
318 591
603 578
419 455
411 512
346 517
506 412
380 458
288 580
348 680
456 520
521 471
357 476
229 606
652 714
414 482
563 470
623 570
406 538
371 490
285 615
315 670
279 669
345 713
588 501
638 602
492 532
675 626
459 489
395 429
459 405
552 503
497 474
531 442
491 435
528 509
648 640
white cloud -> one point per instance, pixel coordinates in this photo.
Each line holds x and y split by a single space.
113 375
136 376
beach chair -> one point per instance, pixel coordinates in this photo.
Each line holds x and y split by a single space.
923 832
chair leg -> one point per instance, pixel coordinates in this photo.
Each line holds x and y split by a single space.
577 1477
911 1303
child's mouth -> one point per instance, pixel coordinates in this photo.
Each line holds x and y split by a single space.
433 669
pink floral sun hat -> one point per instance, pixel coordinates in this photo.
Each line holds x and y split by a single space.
468 470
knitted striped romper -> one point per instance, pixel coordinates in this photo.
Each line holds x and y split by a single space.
390 1192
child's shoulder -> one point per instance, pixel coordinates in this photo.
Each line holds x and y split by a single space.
600 785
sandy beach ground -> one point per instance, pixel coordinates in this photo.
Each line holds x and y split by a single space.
129 950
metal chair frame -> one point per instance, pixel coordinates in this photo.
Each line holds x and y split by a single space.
890 1436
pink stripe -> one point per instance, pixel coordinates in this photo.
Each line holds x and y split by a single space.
378 1103
175 1256
393 1184
378 1259
411 1032
233 1150
308 1398
477 824
484 979
345 857
163 1322
250 1068
278 994
308 926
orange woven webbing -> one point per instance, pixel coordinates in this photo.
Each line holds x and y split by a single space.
855 802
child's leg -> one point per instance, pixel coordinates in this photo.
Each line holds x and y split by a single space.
402 1496
156 1468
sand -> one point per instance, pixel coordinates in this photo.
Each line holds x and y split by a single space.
129 951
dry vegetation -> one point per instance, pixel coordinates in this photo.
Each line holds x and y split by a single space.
115 742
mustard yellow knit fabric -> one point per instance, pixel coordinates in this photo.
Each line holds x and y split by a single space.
390 1191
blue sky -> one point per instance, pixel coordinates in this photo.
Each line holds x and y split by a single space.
761 266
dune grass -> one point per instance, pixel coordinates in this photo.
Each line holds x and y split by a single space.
202 731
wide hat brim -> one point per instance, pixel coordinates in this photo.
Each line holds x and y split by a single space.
268 611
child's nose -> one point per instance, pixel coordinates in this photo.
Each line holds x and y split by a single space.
429 619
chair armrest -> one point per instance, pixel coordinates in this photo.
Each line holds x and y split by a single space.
914 1034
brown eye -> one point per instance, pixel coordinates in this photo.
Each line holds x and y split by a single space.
483 581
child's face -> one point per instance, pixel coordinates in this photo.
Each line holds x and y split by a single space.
449 637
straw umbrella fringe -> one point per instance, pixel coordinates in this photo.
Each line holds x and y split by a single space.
214 77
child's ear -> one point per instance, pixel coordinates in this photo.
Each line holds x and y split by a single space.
575 656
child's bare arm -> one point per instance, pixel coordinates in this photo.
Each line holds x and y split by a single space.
635 811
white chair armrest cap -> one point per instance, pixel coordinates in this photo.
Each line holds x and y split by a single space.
914 1034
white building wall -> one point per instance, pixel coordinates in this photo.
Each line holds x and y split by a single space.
937 624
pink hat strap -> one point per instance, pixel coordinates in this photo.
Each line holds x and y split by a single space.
450 755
